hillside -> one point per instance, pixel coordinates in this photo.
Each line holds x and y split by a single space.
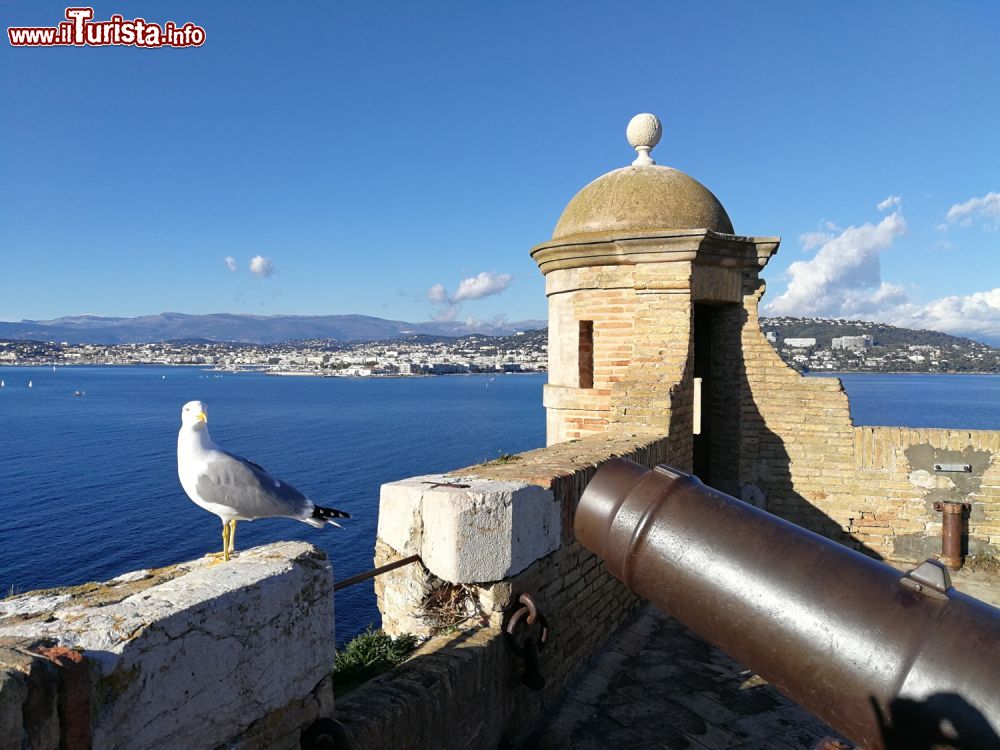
891 349
255 329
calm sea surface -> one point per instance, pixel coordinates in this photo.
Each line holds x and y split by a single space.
89 489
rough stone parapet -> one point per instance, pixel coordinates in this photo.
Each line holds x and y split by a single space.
194 655
467 529
463 687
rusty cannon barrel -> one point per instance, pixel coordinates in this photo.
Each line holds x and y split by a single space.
891 660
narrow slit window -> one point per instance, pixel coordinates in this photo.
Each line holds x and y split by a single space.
586 354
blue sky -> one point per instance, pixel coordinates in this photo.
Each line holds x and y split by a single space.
369 152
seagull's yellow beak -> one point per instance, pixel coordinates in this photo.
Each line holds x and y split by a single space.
202 417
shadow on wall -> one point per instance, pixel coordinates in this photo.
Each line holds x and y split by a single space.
446 696
738 436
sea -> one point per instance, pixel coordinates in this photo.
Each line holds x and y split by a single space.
89 488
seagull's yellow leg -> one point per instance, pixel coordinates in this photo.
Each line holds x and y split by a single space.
224 555
232 538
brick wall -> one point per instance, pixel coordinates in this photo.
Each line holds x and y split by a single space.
870 487
897 486
462 688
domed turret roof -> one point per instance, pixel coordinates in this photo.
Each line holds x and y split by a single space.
643 197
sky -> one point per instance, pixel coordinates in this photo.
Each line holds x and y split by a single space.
400 159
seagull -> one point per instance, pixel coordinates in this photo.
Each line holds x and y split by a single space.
233 488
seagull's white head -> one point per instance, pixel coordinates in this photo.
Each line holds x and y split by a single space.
194 414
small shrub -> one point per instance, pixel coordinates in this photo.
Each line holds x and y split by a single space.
503 458
368 655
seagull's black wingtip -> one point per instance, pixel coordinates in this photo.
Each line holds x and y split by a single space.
325 514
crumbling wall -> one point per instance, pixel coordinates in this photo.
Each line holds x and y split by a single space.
873 488
193 655
897 485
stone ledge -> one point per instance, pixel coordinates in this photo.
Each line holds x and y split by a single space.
469 530
545 466
186 656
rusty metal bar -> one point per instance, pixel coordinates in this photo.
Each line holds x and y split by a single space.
951 532
375 572
873 652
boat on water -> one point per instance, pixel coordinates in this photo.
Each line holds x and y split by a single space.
30 385
2 384
79 393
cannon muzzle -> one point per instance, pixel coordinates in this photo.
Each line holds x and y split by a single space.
891 660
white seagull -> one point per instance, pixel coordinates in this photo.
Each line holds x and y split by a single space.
233 488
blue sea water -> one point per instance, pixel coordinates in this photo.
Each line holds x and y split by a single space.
89 488
924 400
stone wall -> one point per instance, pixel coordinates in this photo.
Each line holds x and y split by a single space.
870 487
190 656
896 486
462 689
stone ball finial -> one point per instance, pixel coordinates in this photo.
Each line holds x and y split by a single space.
643 132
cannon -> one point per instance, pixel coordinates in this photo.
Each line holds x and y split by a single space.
890 660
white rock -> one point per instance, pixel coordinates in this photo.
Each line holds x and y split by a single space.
480 532
30 605
135 575
193 661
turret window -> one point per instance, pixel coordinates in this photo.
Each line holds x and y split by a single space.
586 353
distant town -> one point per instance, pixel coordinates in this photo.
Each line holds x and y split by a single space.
817 344
807 344
417 355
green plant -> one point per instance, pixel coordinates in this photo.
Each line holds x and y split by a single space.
368 655
503 458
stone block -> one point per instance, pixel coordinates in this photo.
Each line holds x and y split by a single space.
470 530
13 694
196 654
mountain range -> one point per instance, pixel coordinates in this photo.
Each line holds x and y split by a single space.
251 329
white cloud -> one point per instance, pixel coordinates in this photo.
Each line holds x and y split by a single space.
261 267
843 273
986 208
486 284
976 315
893 201
811 240
230 262
844 280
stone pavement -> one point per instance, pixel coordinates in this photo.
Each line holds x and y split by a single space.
984 585
658 686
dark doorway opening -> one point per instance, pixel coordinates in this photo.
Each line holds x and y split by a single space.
717 393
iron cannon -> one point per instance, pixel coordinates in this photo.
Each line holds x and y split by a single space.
891 660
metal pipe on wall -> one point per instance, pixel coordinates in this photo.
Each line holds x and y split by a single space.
875 653
951 532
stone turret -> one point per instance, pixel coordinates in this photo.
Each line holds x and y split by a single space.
634 258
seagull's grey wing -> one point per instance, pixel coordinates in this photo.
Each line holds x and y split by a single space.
249 490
